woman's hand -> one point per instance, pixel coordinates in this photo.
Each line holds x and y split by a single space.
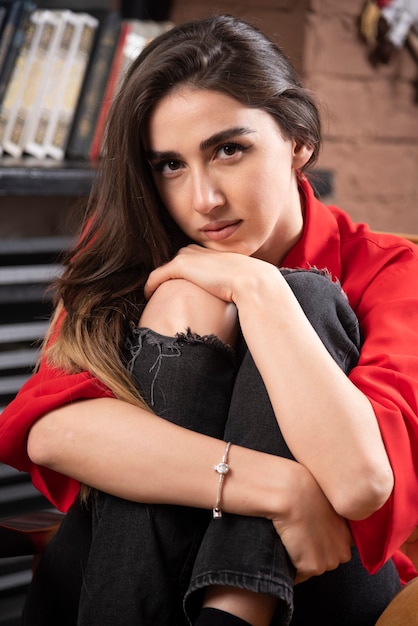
220 273
316 538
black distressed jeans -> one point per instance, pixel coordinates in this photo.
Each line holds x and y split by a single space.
124 563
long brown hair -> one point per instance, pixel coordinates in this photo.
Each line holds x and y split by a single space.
128 231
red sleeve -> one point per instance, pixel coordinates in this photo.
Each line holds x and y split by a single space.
387 373
46 390
405 567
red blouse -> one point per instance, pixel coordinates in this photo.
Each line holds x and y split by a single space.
379 274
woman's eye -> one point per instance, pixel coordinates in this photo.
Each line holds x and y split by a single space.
166 167
229 150
171 166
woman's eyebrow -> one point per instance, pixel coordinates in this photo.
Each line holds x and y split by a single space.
164 155
224 135
217 138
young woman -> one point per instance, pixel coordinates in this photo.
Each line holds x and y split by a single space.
231 432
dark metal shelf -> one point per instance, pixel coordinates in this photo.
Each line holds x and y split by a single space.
34 177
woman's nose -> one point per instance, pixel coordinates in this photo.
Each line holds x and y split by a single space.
206 193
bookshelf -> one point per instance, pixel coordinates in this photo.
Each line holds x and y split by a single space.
60 67
36 198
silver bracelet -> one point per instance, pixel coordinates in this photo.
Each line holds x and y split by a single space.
222 468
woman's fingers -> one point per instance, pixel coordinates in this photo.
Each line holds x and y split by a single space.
216 272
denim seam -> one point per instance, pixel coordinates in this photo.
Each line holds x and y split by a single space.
281 589
255 583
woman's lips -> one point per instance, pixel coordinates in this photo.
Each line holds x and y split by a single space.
217 231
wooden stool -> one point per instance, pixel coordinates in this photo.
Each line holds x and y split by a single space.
403 610
28 533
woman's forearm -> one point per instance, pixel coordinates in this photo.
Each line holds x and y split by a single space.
327 422
131 453
138 456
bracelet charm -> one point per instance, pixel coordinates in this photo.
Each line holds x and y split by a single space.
222 468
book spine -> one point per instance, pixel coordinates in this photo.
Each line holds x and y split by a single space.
3 15
11 23
75 69
16 131
14 47
87 112
15 85
55 73
96 145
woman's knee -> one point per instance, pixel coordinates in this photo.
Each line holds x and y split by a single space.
179 304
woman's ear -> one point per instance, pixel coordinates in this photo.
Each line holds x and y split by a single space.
301 155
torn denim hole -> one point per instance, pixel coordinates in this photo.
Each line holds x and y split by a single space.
168 347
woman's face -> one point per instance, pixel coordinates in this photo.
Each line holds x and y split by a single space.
226 174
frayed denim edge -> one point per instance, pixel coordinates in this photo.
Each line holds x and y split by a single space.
168 347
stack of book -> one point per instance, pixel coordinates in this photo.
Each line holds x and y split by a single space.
59 73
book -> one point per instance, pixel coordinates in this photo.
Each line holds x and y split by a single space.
55 71
15 84
59 126
109 92
4 8
15 20
134 36
11 16
36 73
92 93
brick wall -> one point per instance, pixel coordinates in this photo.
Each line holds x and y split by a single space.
370 120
